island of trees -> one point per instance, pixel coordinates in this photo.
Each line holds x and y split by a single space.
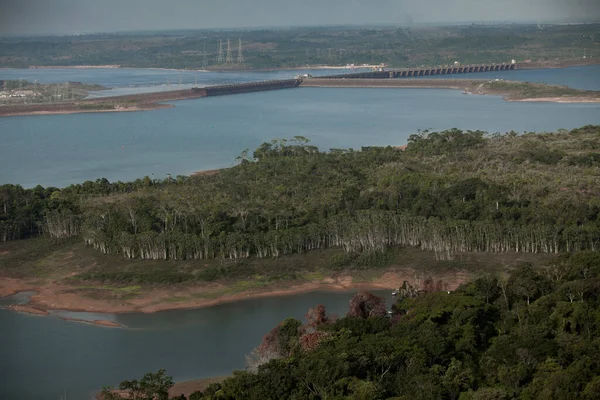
447 192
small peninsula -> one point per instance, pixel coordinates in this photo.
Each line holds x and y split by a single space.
292 219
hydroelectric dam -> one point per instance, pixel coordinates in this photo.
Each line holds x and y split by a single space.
391 78
395 78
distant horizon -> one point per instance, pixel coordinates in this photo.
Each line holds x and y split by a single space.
80 17
291 27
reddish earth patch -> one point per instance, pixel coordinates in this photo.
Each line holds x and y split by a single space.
101 322
27 309
208 172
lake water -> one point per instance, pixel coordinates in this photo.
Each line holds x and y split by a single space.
41 356
57 150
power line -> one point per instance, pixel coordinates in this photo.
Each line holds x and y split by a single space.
240 53
220 53
229 58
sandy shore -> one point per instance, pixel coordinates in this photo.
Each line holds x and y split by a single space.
207 172
83 111
58 296
27 309
112 66
100 322
559 100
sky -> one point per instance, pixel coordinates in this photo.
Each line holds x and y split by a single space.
34 17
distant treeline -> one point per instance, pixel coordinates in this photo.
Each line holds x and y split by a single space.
450 191
398 46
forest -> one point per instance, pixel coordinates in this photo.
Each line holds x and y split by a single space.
449 192
397 46
534 334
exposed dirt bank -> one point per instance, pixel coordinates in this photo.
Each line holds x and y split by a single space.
132 102
560 100
27 309
72 66
207 172
181 388
58 296
101 322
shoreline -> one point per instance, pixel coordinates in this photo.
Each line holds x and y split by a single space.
509 90
82 111
60 297
98 322
468 86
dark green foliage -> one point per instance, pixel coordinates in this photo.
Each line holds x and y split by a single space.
463 345
152 386
448 192
450 141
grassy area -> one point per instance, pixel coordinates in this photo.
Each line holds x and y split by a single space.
72 263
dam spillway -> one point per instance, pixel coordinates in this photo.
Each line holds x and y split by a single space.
410 72
373 78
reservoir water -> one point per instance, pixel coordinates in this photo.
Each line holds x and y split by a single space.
41 356
58 150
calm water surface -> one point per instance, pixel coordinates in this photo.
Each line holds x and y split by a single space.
209 133
42 356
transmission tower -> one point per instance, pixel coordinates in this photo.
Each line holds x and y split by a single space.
204 59
220 53
240 53
229 59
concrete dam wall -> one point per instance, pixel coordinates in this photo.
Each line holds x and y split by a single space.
361 79
409 72
247 87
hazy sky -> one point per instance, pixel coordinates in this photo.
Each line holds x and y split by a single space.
84 16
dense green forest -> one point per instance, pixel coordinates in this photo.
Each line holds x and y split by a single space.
404 46
448 192
532 335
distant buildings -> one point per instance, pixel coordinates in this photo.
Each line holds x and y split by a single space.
22 93
18 93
